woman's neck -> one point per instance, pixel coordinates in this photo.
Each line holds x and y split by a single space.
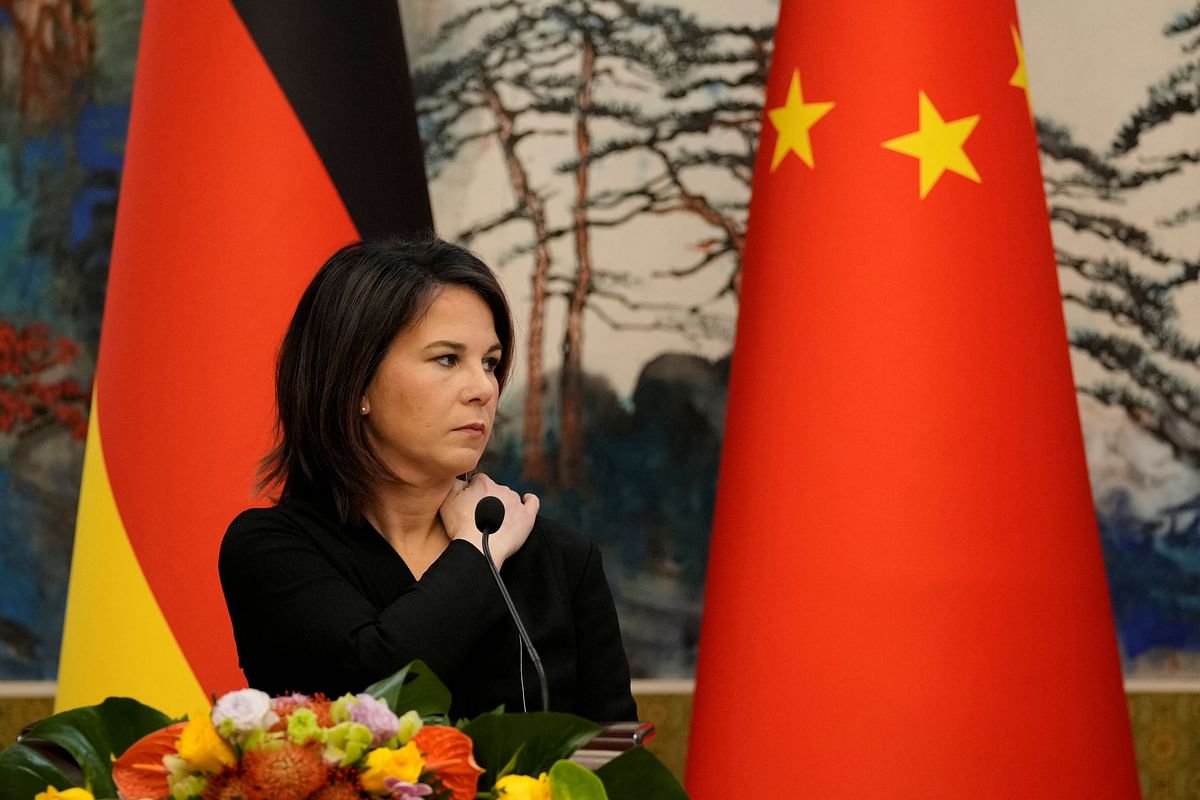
407 517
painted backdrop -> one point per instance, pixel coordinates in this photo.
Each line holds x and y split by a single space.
66 69
1116 96
598 154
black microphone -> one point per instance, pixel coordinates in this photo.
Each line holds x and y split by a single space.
489 516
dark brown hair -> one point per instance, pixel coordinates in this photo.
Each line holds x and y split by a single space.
358 302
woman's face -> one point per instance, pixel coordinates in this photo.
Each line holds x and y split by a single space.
432 402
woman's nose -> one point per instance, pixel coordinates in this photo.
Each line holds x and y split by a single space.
482 386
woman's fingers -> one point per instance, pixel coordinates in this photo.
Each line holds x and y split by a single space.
520 513
532 503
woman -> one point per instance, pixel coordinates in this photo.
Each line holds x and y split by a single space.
387 386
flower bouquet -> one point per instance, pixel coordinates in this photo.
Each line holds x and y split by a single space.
394 740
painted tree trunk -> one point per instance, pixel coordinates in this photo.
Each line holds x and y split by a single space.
570 454
533 456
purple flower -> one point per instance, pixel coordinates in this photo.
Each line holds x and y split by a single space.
402 790
376 716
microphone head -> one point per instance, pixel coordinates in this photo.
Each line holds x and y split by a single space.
489 515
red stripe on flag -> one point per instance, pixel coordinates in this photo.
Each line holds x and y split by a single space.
225 213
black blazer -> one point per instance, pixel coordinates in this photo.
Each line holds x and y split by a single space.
318 606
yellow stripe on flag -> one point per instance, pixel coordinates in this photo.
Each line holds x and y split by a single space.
115 638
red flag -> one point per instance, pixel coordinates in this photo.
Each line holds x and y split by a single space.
259 142
906 596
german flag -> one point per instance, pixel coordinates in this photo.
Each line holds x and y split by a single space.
261 139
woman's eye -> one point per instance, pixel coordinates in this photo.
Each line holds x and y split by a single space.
448 360
490 364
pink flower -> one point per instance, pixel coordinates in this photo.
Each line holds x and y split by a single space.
402 790
375 716
293 699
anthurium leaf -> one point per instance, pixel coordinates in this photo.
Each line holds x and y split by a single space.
637 774
541 739
95 735
508 768
24 773
413 687
571 781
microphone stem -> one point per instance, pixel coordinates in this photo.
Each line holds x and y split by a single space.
512 610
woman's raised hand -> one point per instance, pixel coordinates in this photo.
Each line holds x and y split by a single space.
458 516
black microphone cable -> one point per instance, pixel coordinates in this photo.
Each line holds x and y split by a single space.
489 516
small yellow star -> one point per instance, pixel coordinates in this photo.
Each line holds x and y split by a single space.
1020 78
792 120
937 144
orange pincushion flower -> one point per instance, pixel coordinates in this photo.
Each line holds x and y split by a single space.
448 753
139 772
225 786
289 772
343 785
287 705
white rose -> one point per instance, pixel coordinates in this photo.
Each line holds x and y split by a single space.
243 711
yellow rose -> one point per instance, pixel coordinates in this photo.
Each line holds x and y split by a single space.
403 764
523 787
203 748
67 794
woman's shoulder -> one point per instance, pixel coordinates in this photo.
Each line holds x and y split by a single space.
287 518
576 554
562 537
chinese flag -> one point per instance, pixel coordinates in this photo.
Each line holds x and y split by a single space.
260 140
906 597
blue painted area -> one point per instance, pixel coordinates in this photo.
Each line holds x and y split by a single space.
57 195
26 286
9 225
25 638
83 211
14 587
1154 578
101 139
100 146
46 152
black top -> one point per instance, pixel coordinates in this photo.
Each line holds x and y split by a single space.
319 606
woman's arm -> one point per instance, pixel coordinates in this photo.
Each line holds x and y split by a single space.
301 625
602 690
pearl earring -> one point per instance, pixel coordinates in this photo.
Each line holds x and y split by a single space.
364 409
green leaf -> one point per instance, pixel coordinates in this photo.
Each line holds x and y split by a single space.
24 773
95 735
508 767
531 742
570 781
636 774
413 687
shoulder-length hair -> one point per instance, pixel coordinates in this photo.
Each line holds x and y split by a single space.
358 302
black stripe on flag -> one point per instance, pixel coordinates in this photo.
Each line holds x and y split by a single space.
343 67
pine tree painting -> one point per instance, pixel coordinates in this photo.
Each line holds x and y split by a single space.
1124 202
599 152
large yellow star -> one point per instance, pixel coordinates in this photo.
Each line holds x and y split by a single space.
792 121
1020 78
937 144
